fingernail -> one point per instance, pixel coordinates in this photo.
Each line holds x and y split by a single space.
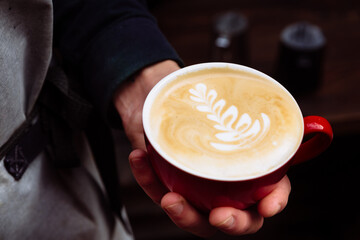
278 208
227 223
175 209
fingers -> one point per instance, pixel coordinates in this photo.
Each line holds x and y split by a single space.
145 175
185 216
277 200
236 222
178 209
229 220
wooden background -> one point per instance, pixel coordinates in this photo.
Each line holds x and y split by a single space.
325 202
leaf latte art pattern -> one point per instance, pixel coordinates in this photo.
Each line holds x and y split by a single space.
234 135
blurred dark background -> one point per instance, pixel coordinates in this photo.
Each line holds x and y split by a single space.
325 200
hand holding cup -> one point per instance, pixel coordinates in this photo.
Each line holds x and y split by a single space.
223 134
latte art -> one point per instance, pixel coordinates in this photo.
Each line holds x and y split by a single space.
223 123
243 135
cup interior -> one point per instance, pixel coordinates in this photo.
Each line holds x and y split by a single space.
195 68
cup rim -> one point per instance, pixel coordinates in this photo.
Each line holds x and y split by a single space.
197 67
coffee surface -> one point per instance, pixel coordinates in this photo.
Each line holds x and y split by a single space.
225 123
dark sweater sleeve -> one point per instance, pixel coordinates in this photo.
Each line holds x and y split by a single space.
107 42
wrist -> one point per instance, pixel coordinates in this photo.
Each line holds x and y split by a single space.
151 75
130 95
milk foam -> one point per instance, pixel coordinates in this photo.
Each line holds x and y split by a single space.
246 132
225 124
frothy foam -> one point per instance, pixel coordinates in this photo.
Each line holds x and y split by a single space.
246 132
225 124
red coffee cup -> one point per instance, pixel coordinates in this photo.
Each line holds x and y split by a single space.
208 192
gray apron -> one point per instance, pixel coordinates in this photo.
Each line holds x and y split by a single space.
47 202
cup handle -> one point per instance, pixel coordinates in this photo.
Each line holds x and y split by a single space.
320 135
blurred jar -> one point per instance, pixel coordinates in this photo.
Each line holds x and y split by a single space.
229 38
300 58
